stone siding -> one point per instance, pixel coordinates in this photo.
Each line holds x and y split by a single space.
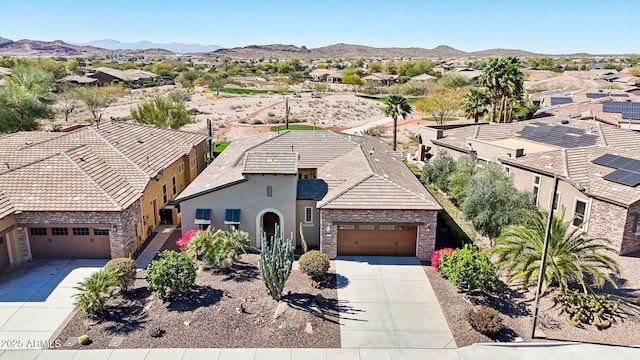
122 241
630 240
426 221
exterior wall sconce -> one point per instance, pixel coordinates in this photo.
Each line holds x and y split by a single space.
114 228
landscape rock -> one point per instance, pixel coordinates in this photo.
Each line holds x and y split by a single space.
282 307
309 328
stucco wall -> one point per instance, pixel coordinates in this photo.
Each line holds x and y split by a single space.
426 221
251 197
311 231
122 241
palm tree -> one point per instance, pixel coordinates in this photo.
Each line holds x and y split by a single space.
474 104
397 105
490 78
503 78
572 255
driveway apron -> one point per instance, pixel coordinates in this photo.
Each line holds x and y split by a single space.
388 302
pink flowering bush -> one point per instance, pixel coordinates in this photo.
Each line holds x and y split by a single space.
435 257
183 241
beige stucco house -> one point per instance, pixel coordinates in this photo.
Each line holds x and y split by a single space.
600 161
352 194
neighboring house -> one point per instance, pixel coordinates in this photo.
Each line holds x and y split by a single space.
382 78
78 80
106 75
95 192
335 77
352 194
424 78
536 150
321 74
9 249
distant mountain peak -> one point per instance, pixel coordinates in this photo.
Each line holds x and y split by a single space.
180 48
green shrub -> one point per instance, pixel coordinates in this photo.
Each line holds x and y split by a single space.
469 268
438 170
315 264
124 270
225 249
276 260
484 320
171 275
94 293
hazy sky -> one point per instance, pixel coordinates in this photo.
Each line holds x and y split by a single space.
544 26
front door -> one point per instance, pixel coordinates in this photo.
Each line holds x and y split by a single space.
269 221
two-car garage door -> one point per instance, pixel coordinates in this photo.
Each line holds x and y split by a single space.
69 242
377 239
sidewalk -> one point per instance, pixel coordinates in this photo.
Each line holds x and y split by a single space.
551 351
145 257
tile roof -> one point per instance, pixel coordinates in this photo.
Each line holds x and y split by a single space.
94 168
6 207
572 147
358 172
270 163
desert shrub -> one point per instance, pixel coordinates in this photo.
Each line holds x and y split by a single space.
315 264
124 270
375 131
156 332
197 246
438 170
484 320
178 95
587 308
276 260
225 248
435 257
171 275
94 293
184 240
469 268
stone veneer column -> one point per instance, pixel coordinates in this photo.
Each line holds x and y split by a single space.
23 241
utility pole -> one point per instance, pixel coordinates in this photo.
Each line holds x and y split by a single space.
286 113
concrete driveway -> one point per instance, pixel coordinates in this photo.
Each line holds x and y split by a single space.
37 297
387 303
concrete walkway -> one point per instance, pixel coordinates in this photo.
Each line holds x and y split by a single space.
561 351
388 303
37 297
145 257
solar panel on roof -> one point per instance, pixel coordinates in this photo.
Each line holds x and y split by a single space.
604 160
596 95
559 100
633 165
619 162
620 95
624 177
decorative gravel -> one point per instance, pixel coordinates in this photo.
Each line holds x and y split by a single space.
211 315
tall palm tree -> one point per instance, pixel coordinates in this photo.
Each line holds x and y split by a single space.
490 78
397 105
474 104
572 255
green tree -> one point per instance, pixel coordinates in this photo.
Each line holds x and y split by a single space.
465 167
351 77
438 170
492 202
162 112
374 67
25 99
441 104
504 79
454 81
397 105
572 255
97 99
474 104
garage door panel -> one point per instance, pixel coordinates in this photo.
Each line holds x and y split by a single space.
377 239
69 246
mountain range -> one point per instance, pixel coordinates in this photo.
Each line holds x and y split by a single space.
179 48
112 47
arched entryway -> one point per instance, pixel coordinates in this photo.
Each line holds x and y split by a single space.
266 221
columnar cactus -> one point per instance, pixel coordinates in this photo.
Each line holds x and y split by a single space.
276 261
